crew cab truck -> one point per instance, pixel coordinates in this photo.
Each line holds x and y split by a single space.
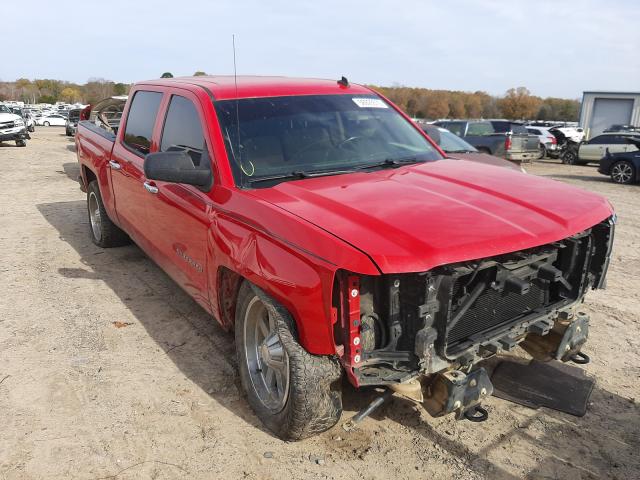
501 138
318 222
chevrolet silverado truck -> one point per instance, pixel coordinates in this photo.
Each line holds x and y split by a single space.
320 224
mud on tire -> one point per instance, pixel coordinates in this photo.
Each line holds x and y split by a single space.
314 399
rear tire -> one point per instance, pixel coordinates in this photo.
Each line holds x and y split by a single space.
46 124
570 158
104 232
543 152
305 397
21 143
484 150
623 172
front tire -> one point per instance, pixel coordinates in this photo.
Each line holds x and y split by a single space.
623 172
21 143
294 394
46 124
104 232
570 158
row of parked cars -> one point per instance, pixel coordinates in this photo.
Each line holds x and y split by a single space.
17 122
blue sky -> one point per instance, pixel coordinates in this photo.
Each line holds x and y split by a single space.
555 48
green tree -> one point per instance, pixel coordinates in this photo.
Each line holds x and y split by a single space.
70 95
199 73
120 89
167 75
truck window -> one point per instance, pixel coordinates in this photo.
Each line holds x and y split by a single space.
183 130
455 127
142 116
480 128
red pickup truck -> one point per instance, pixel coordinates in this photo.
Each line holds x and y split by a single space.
314 219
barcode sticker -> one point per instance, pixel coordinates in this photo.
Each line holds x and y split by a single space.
369 103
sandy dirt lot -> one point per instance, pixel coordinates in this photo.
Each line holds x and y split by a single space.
109 371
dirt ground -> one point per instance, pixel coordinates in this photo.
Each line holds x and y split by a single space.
108 370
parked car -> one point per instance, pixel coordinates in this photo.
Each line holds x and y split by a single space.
575 134
26 116
622 167
52 119
12 127
72 122
324 227
593 150
456 147
501 138
622 128
548 142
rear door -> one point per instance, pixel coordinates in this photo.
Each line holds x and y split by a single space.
135 140
178 214
596 148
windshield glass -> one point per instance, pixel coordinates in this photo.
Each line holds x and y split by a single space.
314 134
4 109
452 143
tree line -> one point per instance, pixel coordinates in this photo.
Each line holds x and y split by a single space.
516 103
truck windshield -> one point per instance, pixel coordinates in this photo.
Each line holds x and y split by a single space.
303 136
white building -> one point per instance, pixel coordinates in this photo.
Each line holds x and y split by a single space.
601 110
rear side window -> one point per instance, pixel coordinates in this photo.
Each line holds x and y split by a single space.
480 128
183 130
140 121
455 127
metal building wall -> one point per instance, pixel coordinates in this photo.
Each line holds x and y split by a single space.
589 105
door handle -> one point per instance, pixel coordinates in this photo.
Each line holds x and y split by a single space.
150 187
115 165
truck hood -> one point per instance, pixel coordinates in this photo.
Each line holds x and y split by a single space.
9 117
414 218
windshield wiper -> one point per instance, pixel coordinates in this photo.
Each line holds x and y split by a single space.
391 162
297 174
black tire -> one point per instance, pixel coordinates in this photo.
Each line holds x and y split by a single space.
623 172
21 143
570 157
31 128
107 234
46 124
314 400
543 152
67 133
484 150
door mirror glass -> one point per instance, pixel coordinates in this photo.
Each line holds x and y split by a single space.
176 167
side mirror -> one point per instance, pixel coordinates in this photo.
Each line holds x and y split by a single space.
175 167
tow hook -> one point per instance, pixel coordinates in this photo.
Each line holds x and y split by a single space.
580 358
459 392
476 414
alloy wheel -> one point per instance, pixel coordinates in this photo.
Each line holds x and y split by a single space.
622 173
267 360
94 216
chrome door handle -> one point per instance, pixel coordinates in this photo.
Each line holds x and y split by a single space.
150 187
115 165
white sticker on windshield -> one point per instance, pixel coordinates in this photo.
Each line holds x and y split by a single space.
369 103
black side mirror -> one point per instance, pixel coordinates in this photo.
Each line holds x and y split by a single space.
175 167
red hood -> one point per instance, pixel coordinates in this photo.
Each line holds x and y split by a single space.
487 159
417 217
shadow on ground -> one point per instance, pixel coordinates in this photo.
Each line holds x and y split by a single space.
599 445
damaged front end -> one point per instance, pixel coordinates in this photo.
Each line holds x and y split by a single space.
426 334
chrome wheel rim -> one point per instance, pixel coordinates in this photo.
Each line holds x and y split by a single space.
94 216
621 173
267 360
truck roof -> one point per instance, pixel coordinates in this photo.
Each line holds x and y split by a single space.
223 87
